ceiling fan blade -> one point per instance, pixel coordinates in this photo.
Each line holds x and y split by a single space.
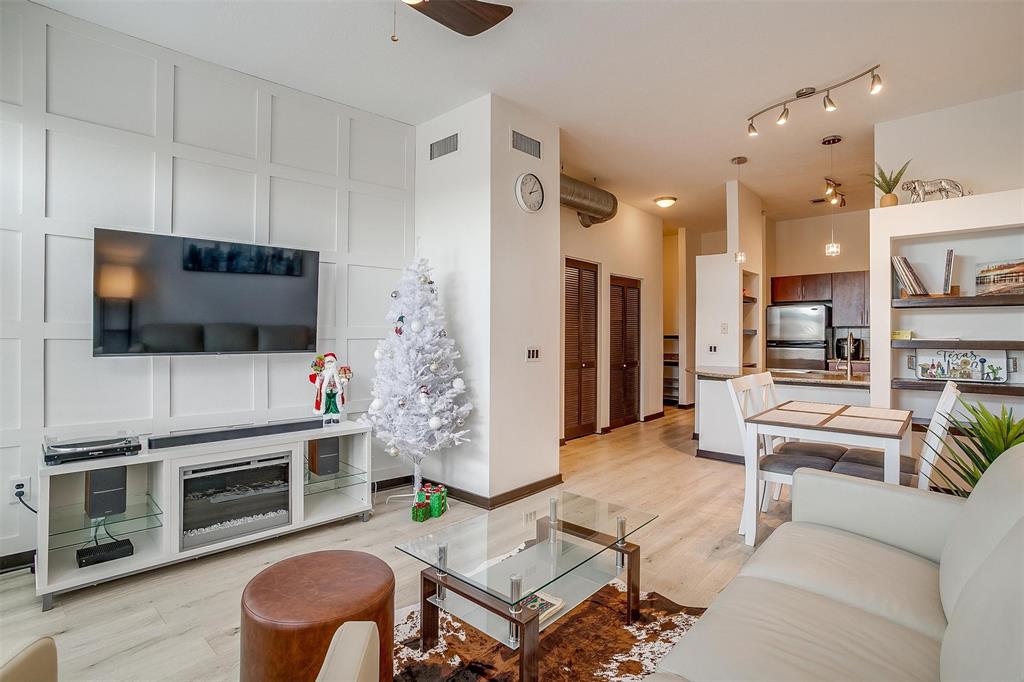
468 17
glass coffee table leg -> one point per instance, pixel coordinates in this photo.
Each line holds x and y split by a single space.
529 652
515 592
442 565
632 584
430 615
620 542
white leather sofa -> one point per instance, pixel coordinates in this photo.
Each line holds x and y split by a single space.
874 582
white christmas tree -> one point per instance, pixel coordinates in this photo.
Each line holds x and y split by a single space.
415 408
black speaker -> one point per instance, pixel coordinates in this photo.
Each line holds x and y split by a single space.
324 456
105 491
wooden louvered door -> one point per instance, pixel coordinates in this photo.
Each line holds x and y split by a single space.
580 348
624 352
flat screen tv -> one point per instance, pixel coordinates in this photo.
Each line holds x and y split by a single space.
157 294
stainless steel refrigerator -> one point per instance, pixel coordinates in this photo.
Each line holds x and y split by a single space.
798 336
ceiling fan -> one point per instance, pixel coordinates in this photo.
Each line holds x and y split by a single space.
468 17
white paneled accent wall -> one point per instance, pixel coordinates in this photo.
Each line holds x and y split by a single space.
98 129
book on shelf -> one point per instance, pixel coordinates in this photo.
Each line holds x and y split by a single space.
544 604
908 276
947 278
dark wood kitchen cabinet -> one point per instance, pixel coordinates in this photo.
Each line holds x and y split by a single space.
787 289
850 299
800 288
816 287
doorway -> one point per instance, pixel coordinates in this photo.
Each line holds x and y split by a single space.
580 348
624 352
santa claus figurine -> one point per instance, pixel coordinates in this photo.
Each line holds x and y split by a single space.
330 379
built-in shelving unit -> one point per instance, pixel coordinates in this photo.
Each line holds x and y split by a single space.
672 374
964 386
958 344
958 301
750 319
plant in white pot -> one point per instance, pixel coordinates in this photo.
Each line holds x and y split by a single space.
887 183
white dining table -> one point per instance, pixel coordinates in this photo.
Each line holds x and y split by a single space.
884 429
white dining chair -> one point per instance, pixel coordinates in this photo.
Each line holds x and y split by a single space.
868 462
777 457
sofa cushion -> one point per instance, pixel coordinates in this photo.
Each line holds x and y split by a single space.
995 506
985 638
866 574
876 458
764 630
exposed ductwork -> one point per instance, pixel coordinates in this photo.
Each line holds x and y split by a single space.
592 204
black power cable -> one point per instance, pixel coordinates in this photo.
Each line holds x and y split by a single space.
20 494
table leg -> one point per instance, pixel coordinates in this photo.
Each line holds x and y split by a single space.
529 648
632 585
430 616
892 461
750 463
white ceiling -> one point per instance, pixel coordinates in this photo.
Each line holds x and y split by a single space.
652 97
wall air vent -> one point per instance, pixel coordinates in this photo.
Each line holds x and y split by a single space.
525 144
445 146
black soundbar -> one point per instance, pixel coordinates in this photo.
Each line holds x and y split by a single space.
108 551
213 436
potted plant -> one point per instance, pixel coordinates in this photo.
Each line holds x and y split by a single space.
980 438
888 183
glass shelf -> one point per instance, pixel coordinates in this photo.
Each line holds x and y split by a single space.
70 525
347 476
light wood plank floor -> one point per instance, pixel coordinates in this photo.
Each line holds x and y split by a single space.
181 622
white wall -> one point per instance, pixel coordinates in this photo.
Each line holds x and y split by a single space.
628 245
718 303
526 274
712 243
980 144
798 246
453 214
498 269
100 129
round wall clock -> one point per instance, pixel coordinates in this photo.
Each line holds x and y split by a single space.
529 192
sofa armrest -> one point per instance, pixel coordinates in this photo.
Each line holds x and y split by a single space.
354 654
917 521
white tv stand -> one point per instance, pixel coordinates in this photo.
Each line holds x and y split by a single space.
153 517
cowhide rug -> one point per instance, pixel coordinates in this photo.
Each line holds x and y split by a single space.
591 642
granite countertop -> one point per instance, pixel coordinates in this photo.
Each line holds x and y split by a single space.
814 377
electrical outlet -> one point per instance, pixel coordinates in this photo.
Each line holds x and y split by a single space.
16 483
1012 362
725 327
532 354
712 349
911 362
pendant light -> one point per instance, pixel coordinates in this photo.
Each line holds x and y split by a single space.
739 256
832 248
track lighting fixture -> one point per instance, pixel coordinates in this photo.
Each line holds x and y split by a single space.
834 199
664 202
827 102
876 84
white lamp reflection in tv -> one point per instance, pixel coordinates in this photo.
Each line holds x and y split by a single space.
115 288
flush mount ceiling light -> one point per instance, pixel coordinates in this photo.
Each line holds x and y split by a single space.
827 102
665 202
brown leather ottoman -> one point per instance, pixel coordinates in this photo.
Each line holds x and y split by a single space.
291 610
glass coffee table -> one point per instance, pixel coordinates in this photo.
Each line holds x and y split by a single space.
484 570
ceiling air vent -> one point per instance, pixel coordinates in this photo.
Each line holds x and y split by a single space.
525 144
445 146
